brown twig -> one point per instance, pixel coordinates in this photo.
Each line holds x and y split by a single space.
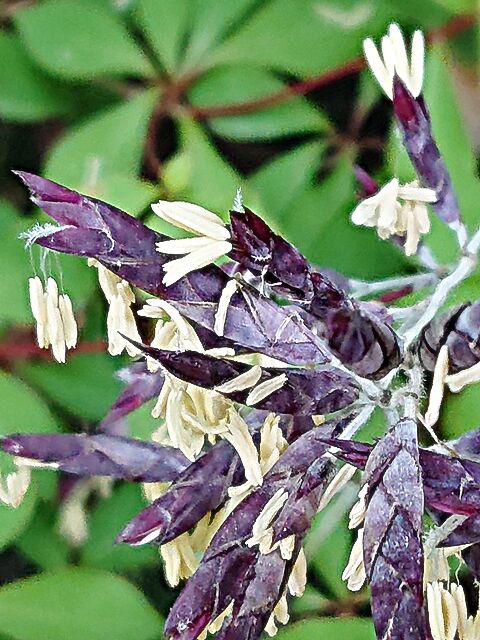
15 351
445 32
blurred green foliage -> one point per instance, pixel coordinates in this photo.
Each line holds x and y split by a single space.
123 100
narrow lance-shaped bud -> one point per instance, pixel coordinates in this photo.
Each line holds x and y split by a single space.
414 123
141 386
285 391
101 455
458 330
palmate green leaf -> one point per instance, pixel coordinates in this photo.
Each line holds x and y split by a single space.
458 6
15 267
310 603
85 386
211 21
309 37
327 236
460 412
105 522
76 604
328 548
240 83
26 94
329 629
280 182
101 156
79 40
22 408
164 24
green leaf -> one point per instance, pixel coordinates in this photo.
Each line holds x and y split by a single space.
105 522
328 548
75 604
321 228
457 6
210 181
141 424
164 23
79 40
22 409
455 147
309 37
102 155
240 83
302 37
211 21
84 386
310 603
461 412
41 543
329 629
280 182
26 94
14 521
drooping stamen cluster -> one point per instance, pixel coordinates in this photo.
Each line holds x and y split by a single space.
211 241
395 61
53 313
384 211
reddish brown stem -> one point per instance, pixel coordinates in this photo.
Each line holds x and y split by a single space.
445 32
14 351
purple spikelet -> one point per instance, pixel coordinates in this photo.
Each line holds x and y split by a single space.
392 539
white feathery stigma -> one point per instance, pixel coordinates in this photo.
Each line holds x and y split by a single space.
120 318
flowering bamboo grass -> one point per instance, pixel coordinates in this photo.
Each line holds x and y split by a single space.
263 370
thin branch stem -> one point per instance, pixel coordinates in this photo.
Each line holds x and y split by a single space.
464 268
14 351
414 282
449 30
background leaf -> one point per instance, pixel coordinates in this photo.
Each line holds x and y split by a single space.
329 629
76 604
105 523
164 24
79 40
26 93
102 156
239 83
75 385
